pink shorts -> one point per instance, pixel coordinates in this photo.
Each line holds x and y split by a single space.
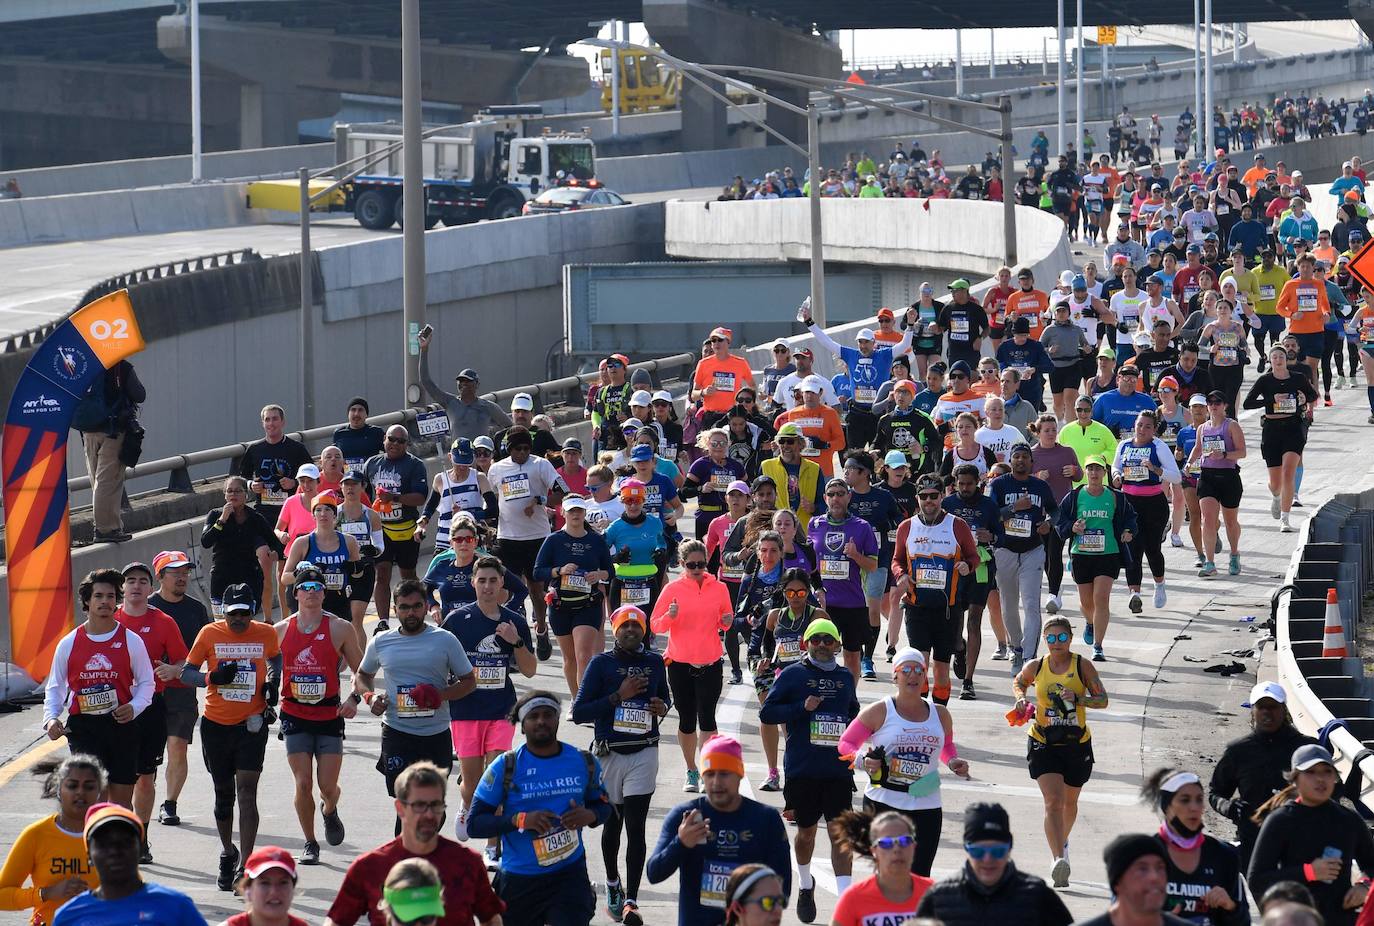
473 739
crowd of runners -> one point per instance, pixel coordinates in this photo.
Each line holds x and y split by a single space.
909 521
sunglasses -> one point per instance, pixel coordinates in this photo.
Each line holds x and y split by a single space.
836 494
978 853
824 639
695 564
463 540
746 400
614 365
779 350
310 587
925 496
482 453
767 904
714 340
595 487
1062 636
912 668
787 440
894 842
958 376
398 440
796 592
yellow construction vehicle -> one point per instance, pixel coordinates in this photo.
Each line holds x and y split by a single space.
645 86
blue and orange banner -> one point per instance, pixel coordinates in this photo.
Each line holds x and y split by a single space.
34 468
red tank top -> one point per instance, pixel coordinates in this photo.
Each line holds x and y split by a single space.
100 676
310 669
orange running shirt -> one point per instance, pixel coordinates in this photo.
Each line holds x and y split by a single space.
240 699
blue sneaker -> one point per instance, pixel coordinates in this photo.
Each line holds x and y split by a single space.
693 783
866 667
615 901
1208 570
1088 634
1234 568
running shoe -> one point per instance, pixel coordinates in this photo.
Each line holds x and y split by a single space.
310 855
615 901
1098 655
1002 654
145 854
1234 568
167 815
1017 660
333 826
866 669
772 782
543 647
1327 400
630 914
493 857
460 826
693 783
228 864
1135 605
891 652
966 693
382 627
1275 507
806 904
1059 872
1088 633
1208 570
1297 501
1340 382
1198 563
1161 596
1286 527
1054 604
960 663
1175 540
1369 420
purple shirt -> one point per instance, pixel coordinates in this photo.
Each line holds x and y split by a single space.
1054 459
843 580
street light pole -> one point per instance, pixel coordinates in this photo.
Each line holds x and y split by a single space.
615 81
1059 96
413 193
196 175
307 319
1008 190
1207 80
958 62
1197 76
1078 92
813 158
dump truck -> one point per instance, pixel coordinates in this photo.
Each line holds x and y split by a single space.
484 169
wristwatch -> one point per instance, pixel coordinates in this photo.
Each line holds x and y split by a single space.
519 643
356 698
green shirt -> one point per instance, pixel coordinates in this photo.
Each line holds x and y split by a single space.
1097 512
1270 283
1096 438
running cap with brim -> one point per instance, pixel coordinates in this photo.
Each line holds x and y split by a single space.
725 333
895 458
789 430
523 401
460 451
821 626
169 559
353 475
641 453
663 395
781 342
327 497
960 283
813 383
239 597
1271 690
574 501
908 654
1309 756
865 334
1106 350
483 443
1198 399
885 313
632 424
572 444
105 813
408 904
308 469
136 566
632 491
642 397
468 374
906 384
1095 459
266 858
739 485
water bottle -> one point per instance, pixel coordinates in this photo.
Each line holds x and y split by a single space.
804 310
879 755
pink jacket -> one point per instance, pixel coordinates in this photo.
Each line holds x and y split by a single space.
703 611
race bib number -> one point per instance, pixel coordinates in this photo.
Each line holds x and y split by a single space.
432 424
723 381
1019 527
713 879
835 569
865 395
1213 444
515 487
555 847
732 573
789 649
491 674
1286 404
1223 209
1267 291
904 769
307 689
1092 541
406 706
632 718
1135 472
576 582
334 581
274 496
1307 302
1226 357
1094 205
826 730
958 329
892 535
635 594
930 577
244 686
721 481
97 701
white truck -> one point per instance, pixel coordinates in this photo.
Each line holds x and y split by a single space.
484 169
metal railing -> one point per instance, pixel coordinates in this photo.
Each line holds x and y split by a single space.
179 466
166 269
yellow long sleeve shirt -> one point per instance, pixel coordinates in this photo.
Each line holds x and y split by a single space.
43 855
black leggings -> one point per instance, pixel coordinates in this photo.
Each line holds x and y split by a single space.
927 822
633 815
696 690
1152 516
1228 379
1331 345
732 635
1054 561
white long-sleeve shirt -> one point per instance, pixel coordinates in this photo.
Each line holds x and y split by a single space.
57 696
1167 463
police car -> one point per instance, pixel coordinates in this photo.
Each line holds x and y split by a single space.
574 194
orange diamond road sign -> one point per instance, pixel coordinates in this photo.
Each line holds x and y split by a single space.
1362 266
1106 35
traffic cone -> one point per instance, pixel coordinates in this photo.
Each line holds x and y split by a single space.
1333 635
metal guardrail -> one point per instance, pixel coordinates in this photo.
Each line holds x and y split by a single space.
36 335
178 466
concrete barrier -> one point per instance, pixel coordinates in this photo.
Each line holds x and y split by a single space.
119 213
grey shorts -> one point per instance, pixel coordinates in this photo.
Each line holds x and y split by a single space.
624 775
315 744
875 582
183 710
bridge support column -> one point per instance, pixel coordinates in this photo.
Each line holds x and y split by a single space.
707 32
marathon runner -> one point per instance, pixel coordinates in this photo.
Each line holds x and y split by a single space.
776 644
816 698
469 415
1027 508
268 466
718 378
313 643
364 525
847 547
461 487
625 694
872 503
334 555
702 840
1219 446
1205 885
496 641
639 548
525 484
575 565
868 366
800 487
1142 467
102 678
1059 748
894 891
1286 395
163 642
398 484
538 798
449 576
819 426
240 542
173 571
1066 346
721 530
1097 519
